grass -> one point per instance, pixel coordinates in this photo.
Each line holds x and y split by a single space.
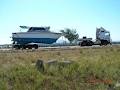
93 69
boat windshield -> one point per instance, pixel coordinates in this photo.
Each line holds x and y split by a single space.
37 29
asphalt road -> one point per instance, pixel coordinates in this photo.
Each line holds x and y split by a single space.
62 47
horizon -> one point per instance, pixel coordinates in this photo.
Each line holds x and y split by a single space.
82 15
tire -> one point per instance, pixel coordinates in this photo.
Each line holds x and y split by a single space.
23 47
29 46
89 43
35 46
104 42
84 43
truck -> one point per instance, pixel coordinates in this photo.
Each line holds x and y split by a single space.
102 38
33 37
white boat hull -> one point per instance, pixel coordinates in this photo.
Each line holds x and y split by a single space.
35 37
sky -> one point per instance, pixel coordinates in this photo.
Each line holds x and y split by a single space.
82 15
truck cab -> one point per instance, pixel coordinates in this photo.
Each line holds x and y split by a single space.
103 36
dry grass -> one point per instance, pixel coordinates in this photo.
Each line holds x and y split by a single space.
28 56
95 69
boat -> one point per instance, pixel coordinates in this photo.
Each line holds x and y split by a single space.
35 35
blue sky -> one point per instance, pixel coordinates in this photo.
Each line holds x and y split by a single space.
82 15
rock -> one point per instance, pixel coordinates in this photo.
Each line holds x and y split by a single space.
55 62
111 87
51 62
117 84
66 62
40 65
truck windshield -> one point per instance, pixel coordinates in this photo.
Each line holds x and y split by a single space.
107 34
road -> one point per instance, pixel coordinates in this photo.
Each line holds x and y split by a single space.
59 47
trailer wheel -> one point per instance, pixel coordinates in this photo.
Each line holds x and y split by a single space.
90 43
83 43
23 47
35 46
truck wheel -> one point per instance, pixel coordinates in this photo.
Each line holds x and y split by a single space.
104 42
